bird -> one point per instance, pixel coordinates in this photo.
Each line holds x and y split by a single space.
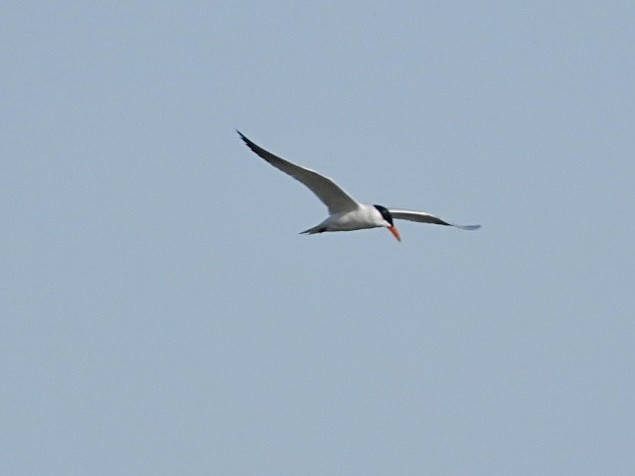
345 213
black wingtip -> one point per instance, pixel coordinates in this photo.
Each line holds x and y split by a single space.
247 142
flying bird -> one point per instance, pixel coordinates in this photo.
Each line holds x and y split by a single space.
345 213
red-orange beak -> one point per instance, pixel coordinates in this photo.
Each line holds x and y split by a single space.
395 232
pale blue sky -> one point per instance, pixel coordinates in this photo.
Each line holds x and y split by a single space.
162 316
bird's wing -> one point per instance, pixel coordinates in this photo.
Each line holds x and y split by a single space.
426 218
335 199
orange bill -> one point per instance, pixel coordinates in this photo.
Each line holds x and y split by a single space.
395 232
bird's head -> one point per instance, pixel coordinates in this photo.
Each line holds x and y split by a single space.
385 213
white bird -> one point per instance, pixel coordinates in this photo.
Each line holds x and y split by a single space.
345 213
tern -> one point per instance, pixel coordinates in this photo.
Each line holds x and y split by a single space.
345 213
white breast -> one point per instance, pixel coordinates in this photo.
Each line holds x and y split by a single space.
365 216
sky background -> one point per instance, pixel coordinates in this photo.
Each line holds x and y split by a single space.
161 315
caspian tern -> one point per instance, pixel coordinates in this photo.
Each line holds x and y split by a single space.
345 213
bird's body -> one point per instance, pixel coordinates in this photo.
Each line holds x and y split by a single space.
364 216
345 213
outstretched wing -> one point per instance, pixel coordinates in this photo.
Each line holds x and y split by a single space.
422 217
335 199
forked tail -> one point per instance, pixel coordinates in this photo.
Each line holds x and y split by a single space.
314 230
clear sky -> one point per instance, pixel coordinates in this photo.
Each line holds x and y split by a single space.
161 315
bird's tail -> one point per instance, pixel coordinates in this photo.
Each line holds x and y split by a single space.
314 230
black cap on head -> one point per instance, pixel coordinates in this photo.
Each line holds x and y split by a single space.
384 213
